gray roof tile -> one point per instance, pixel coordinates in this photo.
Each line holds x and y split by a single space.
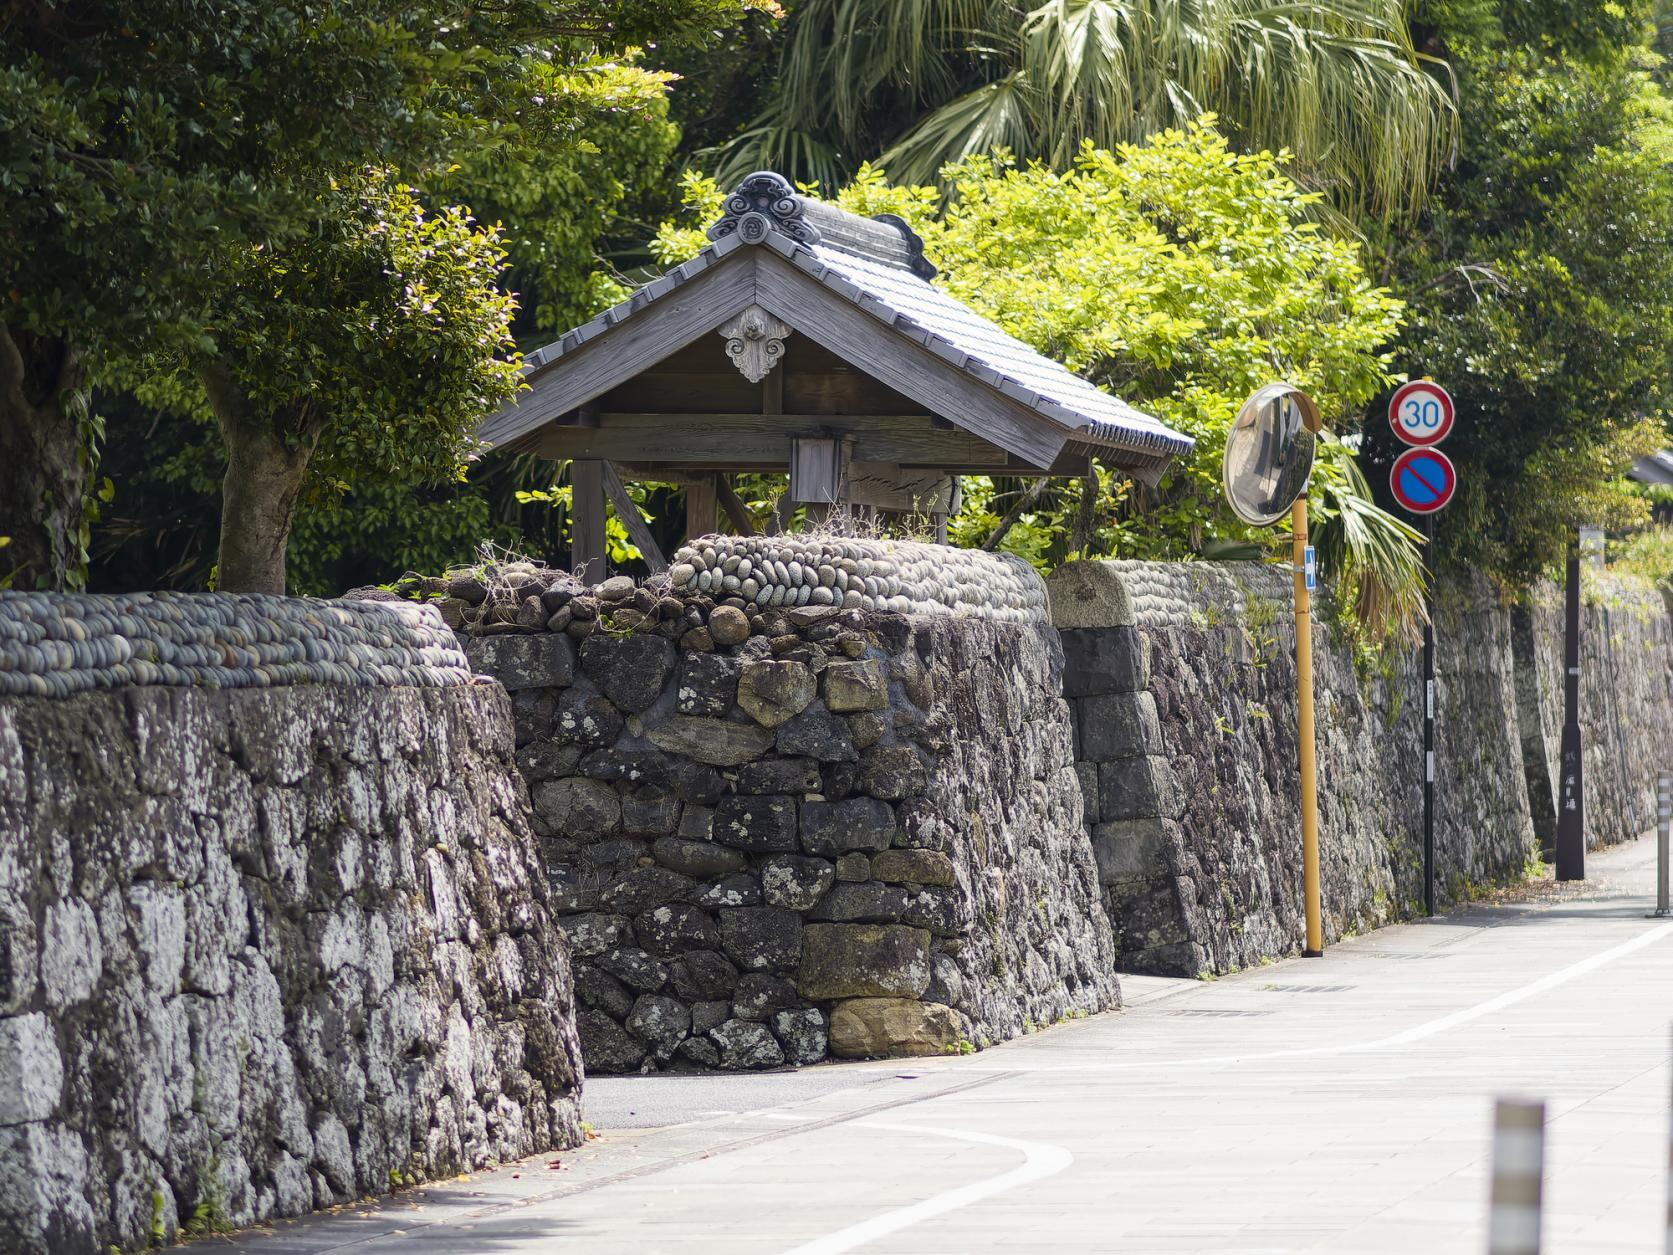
890 284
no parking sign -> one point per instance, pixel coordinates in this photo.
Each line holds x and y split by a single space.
1423 480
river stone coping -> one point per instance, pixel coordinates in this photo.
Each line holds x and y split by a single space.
1131 593
55 644
903 576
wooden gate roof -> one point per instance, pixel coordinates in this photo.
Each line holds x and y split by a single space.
860 288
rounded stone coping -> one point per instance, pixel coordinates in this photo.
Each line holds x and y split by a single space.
902 576
1130 593
55 644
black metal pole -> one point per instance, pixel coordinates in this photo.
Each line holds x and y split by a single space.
1429 720
1571 795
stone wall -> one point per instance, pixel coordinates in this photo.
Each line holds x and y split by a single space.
780 834
1626 704
1182 677
262 951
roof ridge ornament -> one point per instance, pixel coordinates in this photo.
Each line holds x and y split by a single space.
764 202
916 262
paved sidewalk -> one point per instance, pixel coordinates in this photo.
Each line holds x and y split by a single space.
1334 1105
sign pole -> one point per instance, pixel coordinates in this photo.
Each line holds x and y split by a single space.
1571 797
1429 718
1265 468
1309 759
1664 830
1423 480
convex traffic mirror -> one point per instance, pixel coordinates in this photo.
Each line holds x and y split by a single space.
1269 453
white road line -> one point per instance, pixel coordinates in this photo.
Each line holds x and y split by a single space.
1559 977
1406 1037
1040 1160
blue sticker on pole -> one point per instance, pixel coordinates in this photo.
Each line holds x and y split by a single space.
1310 568
1423 480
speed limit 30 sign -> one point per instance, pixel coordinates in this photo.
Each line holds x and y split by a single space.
1421 413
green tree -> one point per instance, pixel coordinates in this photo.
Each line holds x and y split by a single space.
372 348
559 210
143 143
1541 280
918 83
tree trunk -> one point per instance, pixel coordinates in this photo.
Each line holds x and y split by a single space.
1019 507
259 492
1080 535
43 467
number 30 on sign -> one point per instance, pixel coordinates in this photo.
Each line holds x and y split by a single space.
1421 413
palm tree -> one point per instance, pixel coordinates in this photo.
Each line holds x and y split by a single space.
918 83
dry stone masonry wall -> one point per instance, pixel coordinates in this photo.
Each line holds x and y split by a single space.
1182 678
1626 704
266 951
782 833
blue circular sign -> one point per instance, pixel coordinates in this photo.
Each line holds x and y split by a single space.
1423 480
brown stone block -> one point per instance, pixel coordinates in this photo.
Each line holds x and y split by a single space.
869 1028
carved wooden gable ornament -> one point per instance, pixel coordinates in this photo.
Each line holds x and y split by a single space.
754 342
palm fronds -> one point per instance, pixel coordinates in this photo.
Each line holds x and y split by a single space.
775 145
1337 82
1374 559
993 118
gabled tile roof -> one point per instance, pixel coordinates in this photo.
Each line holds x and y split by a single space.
878 264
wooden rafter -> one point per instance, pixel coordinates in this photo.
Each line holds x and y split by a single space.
637 528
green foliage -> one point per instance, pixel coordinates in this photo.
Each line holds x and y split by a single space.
1182 277
557 209
370 350
925 82
154 157
1646 555
385 331
135 146
1542 283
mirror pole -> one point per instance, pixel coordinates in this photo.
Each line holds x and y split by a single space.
1309 759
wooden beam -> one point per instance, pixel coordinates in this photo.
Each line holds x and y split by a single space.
739 441
887 486
700 507
734 506
586 520
637 529
655 332
906 366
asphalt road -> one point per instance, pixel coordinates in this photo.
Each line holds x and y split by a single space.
1335 1105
